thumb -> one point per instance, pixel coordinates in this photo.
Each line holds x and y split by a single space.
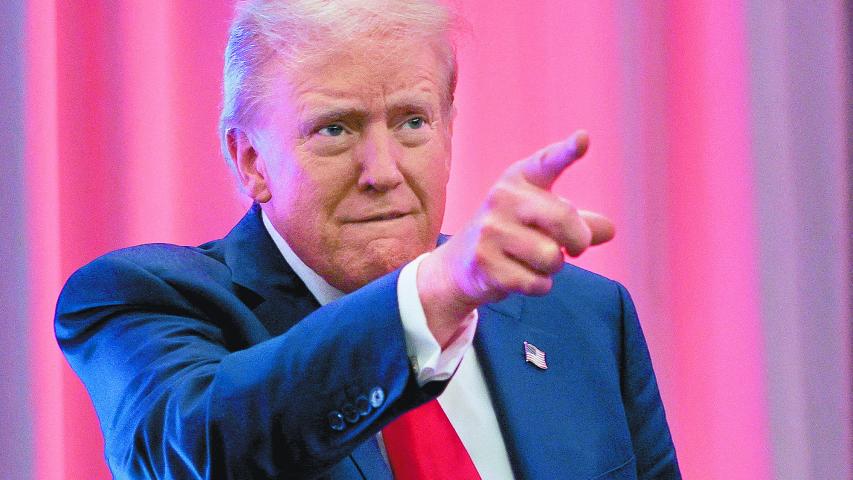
545 166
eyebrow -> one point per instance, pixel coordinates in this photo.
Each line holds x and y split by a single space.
312 117
324 112
409 104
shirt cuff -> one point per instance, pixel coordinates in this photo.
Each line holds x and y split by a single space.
428 361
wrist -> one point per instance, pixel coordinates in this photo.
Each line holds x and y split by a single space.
445 306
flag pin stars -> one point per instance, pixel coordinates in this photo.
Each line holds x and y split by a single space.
535 356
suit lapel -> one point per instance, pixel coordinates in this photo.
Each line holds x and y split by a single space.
533 406
269 286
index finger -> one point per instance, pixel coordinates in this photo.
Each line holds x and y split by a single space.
545 166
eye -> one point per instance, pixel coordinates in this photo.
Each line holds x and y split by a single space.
333 130
415 123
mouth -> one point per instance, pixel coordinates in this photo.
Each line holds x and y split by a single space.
378 217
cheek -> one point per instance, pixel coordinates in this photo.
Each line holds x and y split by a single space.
312 190
430 183
293 196
287 186
437 197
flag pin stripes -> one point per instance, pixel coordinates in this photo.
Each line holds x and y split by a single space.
535 356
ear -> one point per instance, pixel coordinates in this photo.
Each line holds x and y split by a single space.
250 169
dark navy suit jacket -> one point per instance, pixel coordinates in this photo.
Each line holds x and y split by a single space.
216 362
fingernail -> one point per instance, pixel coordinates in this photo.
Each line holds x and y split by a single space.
580 139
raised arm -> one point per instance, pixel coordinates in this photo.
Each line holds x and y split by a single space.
178 398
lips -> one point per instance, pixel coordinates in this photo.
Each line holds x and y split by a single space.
377 217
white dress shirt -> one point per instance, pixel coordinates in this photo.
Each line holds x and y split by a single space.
466 400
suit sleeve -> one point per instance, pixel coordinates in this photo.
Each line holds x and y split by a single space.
650 436
175 401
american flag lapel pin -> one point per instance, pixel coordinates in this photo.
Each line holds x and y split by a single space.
535 356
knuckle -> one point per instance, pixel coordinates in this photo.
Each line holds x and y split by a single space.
556 261
551 251
567 212
489 227
539 285
568 205
480 258
515 284
514 170
565 224
502 194
555 225
529 284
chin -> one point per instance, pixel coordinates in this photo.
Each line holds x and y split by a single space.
379 257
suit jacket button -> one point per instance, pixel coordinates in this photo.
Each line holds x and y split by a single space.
377 397
362 405
336 421
350 413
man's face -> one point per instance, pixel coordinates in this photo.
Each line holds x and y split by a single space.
356 157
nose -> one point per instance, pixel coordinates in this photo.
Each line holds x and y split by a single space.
379 158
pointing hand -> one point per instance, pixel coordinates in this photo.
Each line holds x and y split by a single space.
514 243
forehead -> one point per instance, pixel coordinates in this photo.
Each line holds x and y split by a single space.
369 70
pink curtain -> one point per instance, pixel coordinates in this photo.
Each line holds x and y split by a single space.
122 101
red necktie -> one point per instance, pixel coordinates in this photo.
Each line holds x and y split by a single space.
422 444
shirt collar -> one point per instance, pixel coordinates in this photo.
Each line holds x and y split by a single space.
320 288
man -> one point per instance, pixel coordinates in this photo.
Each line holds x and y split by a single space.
314 338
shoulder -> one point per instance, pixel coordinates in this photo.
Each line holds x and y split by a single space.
577 288
582 305
577 277
143 274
